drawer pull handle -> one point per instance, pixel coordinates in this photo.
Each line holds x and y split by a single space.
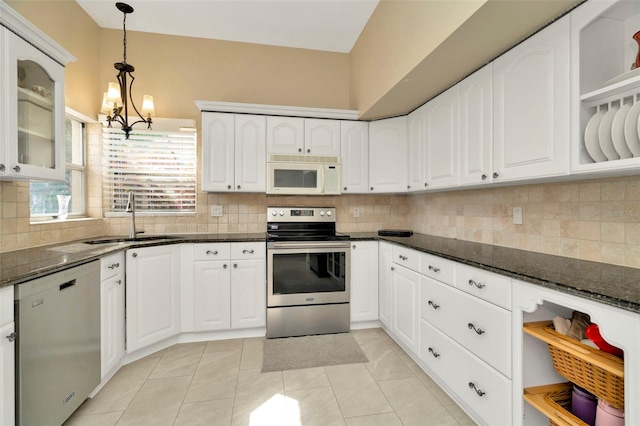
212 252
12 336
477 284
134 255
235 265
224 266
114 266
478 391
434 353
434 269
245 251
435 305
403 257
119 282
393 269
478 331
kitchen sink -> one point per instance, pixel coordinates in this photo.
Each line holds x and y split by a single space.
131 240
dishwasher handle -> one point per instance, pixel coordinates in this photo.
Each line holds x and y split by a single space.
67 285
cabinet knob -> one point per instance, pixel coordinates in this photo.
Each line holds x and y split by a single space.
228 186
434 353
495 175
134 255
372 188
250 251
477 284
12 336
212 252
484 177
2 168
345 188
353 247
408 186
299 149
224 266
434 269
426 184
308 151
238 186
119 282
433 305
478 391
235 265
393 269
113 266
17 169
478 331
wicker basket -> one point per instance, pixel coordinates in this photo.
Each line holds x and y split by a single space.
598 372
554 401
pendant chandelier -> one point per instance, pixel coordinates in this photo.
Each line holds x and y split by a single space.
117 100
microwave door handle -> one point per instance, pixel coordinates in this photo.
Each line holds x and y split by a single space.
321 177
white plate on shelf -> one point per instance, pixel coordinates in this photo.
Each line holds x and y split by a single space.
604 134
617 132
631 129
591 141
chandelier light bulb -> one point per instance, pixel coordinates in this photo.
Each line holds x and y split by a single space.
147 108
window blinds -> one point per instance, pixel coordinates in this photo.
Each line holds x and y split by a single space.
158 166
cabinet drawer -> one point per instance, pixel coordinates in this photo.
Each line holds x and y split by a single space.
111 265
6 305
241 251
406 257
212 251
437 268
486 285
481 388
482 328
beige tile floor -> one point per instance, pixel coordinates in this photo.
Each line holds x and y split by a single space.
220 383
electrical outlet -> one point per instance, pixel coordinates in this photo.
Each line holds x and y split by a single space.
216 211
517 215
356 212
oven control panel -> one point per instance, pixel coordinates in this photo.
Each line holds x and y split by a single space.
301 214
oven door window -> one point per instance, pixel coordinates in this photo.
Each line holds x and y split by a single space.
285 178
299 277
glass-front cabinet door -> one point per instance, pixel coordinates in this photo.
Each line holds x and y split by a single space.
34 114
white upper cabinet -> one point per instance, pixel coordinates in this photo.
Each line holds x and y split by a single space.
388 151
442 129
233 152
217 152
32 112
285 135
416 140
531 116
476 127
321 137
354 149
250 153
605 92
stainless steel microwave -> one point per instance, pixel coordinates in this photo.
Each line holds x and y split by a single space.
303 174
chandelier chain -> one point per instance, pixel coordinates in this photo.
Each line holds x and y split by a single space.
124 41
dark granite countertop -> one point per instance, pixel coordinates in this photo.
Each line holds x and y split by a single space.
617 286
23 265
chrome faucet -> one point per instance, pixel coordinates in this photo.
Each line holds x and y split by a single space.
131 208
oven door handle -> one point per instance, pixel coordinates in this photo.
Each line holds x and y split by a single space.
306 244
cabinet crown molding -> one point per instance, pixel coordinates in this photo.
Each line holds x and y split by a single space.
17 24
291 111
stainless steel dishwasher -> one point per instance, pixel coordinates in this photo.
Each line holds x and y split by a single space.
58 350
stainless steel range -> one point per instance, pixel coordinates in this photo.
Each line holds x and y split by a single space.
308 287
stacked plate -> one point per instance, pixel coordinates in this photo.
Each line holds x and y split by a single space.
614 134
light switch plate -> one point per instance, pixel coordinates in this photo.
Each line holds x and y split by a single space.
216 211
356 212
517 215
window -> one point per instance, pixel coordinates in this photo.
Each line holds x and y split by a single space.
158 166
43 201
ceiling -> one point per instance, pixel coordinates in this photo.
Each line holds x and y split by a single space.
328 25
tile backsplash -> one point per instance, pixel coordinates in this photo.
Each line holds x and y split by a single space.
593 220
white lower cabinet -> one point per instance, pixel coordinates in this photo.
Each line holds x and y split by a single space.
364 281
405 285
229 287
7 357
112 312
385 252
153 295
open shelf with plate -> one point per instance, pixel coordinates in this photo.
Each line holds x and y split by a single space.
605 90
